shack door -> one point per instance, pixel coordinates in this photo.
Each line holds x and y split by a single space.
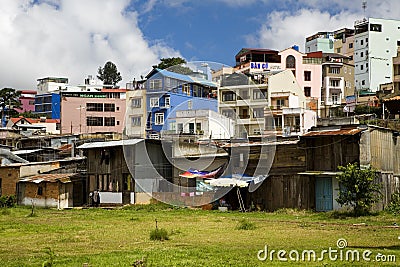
323 194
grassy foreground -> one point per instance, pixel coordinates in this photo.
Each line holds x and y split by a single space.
120 237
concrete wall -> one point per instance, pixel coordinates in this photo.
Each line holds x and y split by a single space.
74 114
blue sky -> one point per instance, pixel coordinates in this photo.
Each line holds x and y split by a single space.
72 38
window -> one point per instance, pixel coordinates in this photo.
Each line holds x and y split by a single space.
361 67
228 96
136 121
363 82
94 121
361 54
244 94
334 70
335 98
159 119
362 42
229 113
109 121
307 91
259 94
94 107
334 83
31 102
307 75
338 50
109 107
278 122
155 84
350 45
186 89
258 113
180 127
167 101
136 102
280 103
154 102
290 62
375 27
40 190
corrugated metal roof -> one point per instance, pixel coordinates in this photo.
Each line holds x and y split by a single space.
351 131
328 173
248 144
127 142
50 178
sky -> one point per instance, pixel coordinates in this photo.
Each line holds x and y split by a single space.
73 38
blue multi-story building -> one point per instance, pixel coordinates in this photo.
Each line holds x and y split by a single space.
48 105
168 92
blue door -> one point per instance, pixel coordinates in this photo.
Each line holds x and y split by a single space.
323 194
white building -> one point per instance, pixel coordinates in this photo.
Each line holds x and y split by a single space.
375 45
204 123
136 115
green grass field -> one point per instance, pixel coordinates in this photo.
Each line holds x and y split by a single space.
120 237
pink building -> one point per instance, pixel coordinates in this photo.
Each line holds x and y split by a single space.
27 100
91 112
307 68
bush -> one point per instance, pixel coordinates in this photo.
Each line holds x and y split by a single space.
358 188
8 201
394 205
245 225
159 234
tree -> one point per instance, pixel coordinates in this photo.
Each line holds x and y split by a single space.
109 74
9 99
174 64
358 188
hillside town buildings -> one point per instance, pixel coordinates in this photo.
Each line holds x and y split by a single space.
160 136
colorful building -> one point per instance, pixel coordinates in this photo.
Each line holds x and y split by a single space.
167 92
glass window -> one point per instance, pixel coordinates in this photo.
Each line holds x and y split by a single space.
290 62
155 84
136 102
94 107
335 98
307 75
258 113
280 103
186 89
228 96
159 119
167 101
94 121
109 107
154 102
307 91
136 121
334 70
109 121
334 83
259 94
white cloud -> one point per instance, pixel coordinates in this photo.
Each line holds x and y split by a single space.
286 28
283 29
72 38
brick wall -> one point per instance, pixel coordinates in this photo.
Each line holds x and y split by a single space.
9 177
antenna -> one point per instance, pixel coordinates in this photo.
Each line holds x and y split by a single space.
364 6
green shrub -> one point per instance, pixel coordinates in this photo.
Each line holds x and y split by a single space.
159 234
8 201
245 225
394 205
